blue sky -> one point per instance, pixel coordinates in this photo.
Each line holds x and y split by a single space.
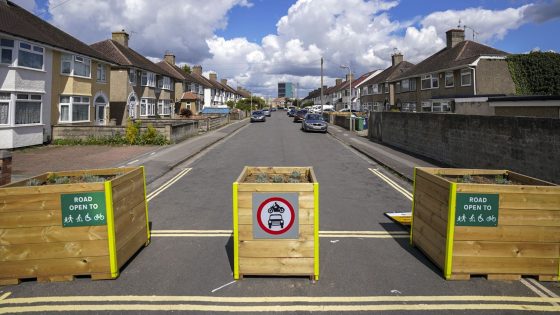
256 43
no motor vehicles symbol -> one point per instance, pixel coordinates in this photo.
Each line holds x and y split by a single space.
275 216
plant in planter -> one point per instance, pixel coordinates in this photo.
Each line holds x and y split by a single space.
276 222
496 223
63 224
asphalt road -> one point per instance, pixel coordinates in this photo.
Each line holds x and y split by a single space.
193 272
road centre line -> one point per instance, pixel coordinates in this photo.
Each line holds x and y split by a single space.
280 299
132 162
167 184
278 308
391 183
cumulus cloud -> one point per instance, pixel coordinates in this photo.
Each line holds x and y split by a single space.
543 11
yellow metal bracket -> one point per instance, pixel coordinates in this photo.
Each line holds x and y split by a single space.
316 229
111 229
450 230
235 233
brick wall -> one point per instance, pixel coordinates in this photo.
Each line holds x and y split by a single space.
526 145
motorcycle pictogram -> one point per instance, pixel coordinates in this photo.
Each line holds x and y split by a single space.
276 208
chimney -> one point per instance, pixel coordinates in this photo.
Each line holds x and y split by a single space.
397 58
197 70
350 76
338 81
454 37
224 81
169 57
121 37
213 76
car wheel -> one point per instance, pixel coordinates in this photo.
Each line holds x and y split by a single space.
281 226
269 226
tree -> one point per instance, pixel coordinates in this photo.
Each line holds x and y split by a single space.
186 68
230 104
245 103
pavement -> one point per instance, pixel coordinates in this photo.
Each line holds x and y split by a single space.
159 160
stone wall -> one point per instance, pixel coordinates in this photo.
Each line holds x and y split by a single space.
5 167
522 144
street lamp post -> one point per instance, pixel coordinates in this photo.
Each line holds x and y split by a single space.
350 88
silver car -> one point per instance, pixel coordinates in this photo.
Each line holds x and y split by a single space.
314 122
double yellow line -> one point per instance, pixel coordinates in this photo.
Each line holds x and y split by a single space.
391 183
170 182
323 234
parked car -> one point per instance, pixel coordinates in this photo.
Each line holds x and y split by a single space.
258 115
273 109
300 115
266 112
291 112
314 122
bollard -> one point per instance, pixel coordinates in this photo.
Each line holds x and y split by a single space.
5 167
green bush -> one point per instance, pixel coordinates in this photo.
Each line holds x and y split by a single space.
132 131
536 73
133 136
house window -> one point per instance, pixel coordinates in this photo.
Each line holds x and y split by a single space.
4 108
148 79
405 85
466 77
132 77
147 107
75 65
426 106
30 56
398 87
386 87
6 50
101 73
164 107
412 83
430 81
165 83
374 89
449 79
74 109
409 107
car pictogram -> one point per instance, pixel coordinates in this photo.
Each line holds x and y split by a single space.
275 220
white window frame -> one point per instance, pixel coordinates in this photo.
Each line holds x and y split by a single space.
101 73
150 79
450 74
132 77
6 47
74 100
432 78
466 73
6 102
28 98
33 50
147 107
164 107
426 105
72 60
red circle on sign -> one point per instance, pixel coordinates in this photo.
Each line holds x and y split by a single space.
266 229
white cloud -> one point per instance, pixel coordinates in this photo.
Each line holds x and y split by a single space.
28 5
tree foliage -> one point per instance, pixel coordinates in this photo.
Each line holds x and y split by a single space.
186 68
536 73
245 103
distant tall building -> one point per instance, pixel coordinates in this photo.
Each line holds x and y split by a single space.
286 89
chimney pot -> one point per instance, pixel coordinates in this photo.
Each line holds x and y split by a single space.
338 81
397 58
197 69
213 76
121 37
224 81
454 37
350 76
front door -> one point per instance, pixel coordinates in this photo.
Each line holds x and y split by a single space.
100 110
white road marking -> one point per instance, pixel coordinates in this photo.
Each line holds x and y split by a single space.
132 162
392 183
535 286
225 285
168 184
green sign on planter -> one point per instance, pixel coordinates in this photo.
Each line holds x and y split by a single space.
477 209
83 209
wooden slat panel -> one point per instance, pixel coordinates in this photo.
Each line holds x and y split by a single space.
126 233
429 241
510 189
54 267
276 266
97 172
527 180
529 217
134 186
539 234
462 171
269 187
277 170
132 246
54 250
435 179
131 173
305 232
432 219
530 201
501 265
30 219
425 202
435 191
305 199
503 249
276 248
49 189
134 216
31 202
36 235
126 203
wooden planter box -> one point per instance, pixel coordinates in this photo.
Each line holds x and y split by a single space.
274 247
55 232
500 231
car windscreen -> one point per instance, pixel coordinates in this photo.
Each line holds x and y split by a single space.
257 113
313 117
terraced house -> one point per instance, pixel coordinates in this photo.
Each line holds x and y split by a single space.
461 72
139 88
47 77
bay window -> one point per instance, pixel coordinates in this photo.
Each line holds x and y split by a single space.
147 107
28 109
466 77
164 107
30 56
4 108
74 109
148 79
6 50
75 65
